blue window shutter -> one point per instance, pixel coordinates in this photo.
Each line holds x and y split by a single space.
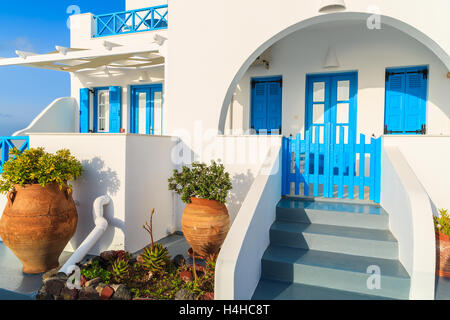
274 106
415 102
259 110
115 109
84 110
395 95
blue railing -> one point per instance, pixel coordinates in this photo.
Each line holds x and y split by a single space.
132 21
308 162
8 143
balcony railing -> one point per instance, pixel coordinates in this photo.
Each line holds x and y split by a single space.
8 143
132 21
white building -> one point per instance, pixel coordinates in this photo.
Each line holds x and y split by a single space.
150 93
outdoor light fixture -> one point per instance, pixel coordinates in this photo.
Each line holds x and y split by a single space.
329 5
143 76
109 45
159 39
62 50
25 54
331 60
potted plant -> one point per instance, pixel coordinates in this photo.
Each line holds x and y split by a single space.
205 221
442 227
40 216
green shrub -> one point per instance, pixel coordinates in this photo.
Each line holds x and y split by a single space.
120 269
96 271
201 181
442 223
155 258
35 166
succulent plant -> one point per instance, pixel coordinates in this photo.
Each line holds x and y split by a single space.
120 269
154 258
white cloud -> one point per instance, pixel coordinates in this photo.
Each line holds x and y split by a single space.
19 43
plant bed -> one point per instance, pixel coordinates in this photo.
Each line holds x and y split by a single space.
119 275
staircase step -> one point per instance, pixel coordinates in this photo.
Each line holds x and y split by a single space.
335 271
347 240
333 213
277 290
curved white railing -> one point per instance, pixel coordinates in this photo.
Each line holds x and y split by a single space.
411 221
238 267
100 227
59 116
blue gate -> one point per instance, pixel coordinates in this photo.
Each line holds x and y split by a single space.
331 168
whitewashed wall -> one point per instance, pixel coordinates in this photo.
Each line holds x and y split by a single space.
112 163
369 52
232 33
59 116
429 158
410 220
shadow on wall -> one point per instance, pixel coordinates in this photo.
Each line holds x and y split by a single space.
241 186
96 181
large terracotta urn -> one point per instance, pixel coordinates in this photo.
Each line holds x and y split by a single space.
205 224
37 224
442 255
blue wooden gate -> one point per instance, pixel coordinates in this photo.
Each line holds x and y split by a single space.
329 168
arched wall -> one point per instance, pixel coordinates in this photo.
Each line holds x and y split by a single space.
407 29
212 43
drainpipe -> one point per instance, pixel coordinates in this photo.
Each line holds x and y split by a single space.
100 227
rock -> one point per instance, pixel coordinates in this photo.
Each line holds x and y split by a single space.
121 254
178 260
50 274
186 276
69 294
207 296
54 286
106 293
99 288
92 283
122 293
43 294
184 294
149 276
108 255
88 293
83 281
102 262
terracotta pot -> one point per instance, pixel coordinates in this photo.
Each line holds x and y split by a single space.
37 224
442 255
205 224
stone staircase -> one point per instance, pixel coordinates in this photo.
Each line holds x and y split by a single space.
328 250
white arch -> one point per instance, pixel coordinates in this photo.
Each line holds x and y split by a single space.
333 17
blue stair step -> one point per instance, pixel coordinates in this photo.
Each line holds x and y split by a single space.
348 240
277 290
333 213
335 271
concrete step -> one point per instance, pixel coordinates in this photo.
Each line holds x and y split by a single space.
333 213
278 290
335 271
338 239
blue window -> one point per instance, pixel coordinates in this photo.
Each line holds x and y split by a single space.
406 100
266 98
104 115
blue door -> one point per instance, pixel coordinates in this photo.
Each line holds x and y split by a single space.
406 100
331 99
266 99
146 109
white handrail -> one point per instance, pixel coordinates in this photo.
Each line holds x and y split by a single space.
100 227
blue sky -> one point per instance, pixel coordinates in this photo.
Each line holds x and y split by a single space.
36 26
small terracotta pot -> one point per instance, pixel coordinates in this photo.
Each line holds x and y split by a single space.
205 224
442 255
37 224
